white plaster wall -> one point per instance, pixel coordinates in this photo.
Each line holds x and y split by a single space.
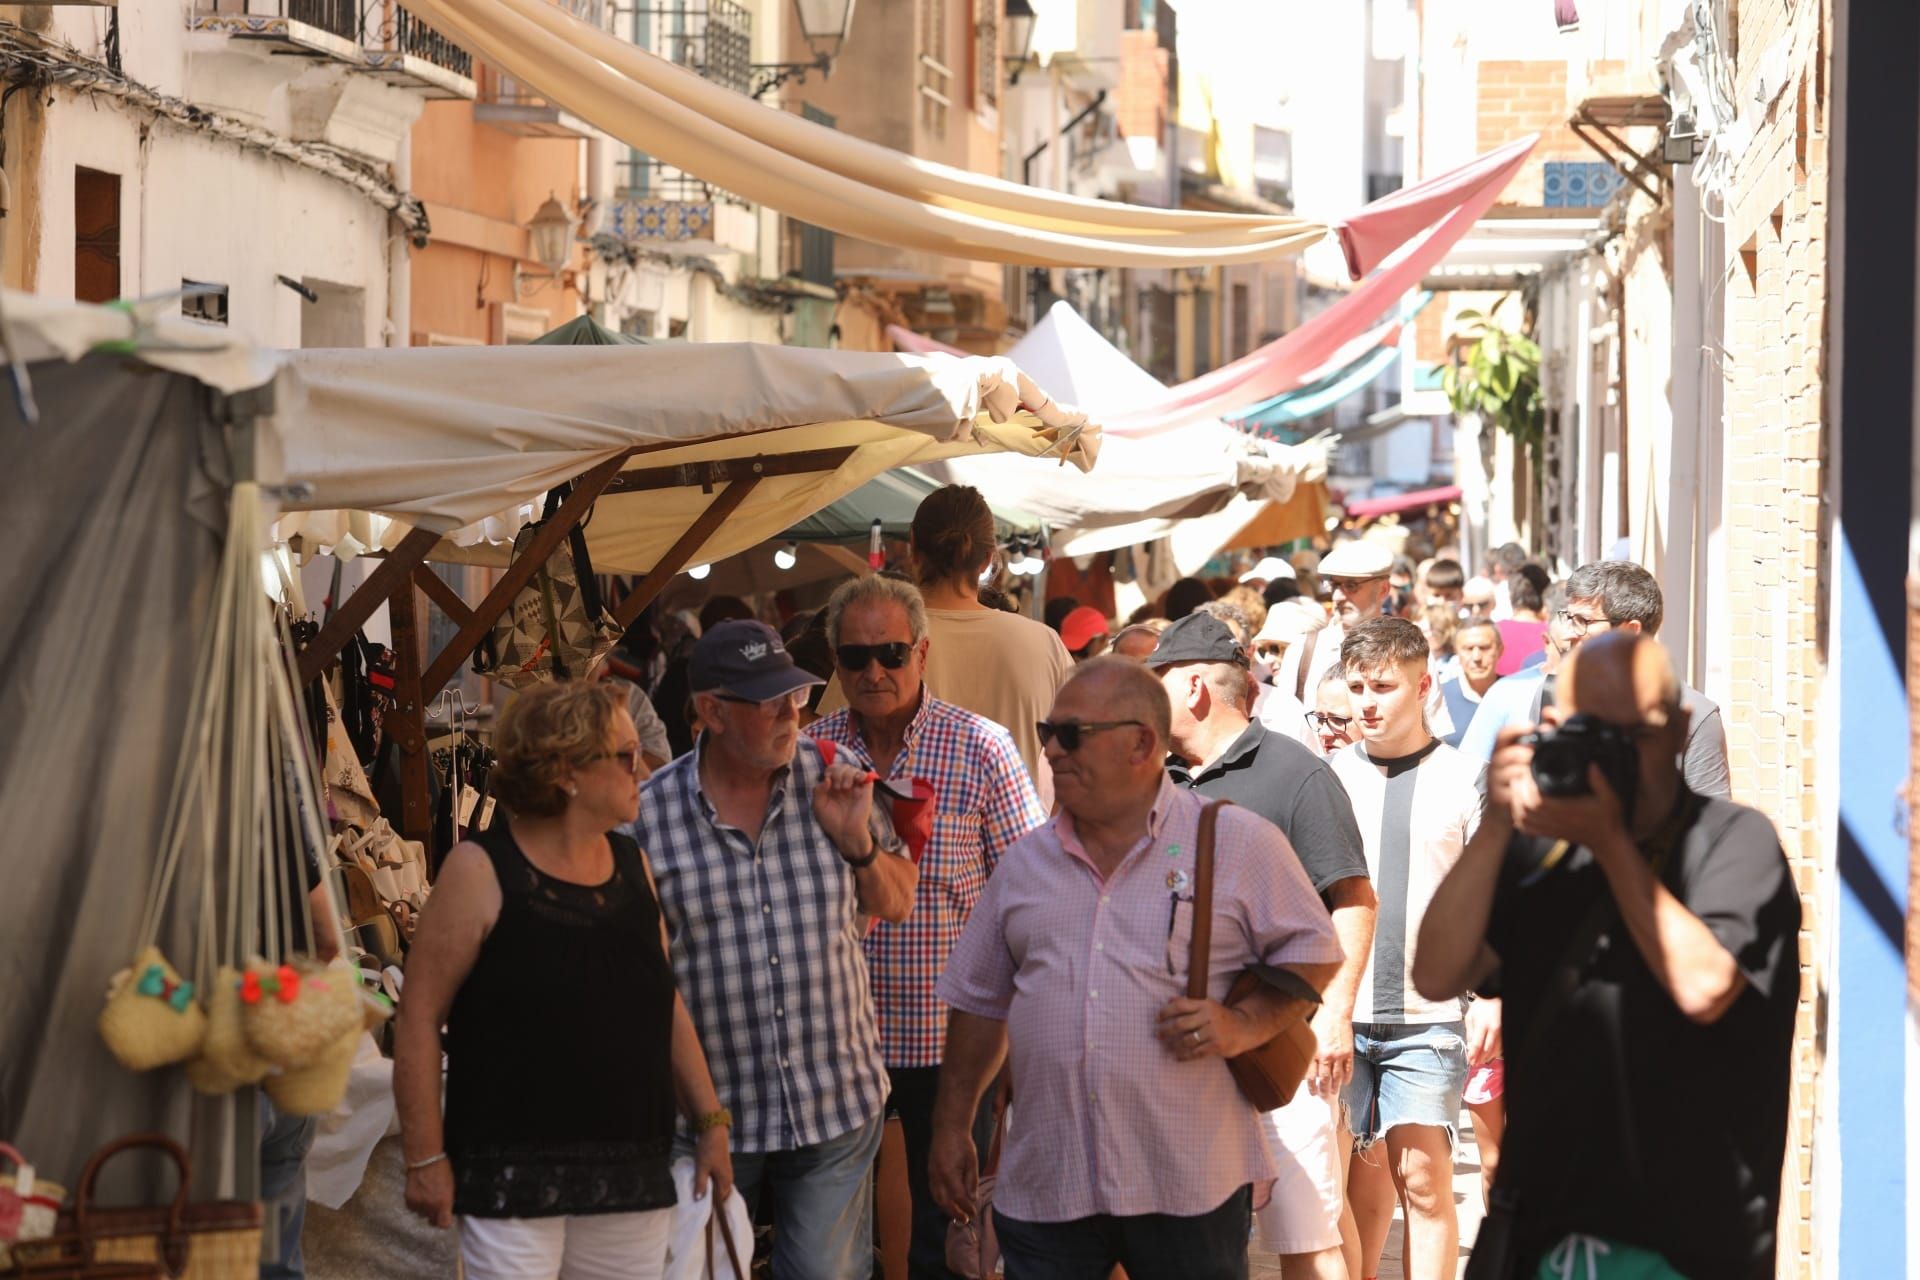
193 207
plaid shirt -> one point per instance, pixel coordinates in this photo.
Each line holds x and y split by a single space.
766 952
985 801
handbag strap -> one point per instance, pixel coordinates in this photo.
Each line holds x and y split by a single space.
1306 664
1002 1097
1200 953
717 1219
173 1243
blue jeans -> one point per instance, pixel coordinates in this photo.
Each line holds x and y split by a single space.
1405 1074
1151 1246
284 1143
822 1204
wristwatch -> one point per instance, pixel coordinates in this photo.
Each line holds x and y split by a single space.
891 844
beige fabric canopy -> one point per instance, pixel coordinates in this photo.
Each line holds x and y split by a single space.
467 440
893 200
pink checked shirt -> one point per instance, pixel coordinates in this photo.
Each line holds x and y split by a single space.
984 802
1105 1120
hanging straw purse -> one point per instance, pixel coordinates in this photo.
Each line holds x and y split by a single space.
218 1240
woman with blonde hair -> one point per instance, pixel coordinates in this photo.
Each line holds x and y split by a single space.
543 953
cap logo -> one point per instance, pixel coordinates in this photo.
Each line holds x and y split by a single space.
755 651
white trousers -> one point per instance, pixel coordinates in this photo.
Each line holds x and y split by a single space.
600 1246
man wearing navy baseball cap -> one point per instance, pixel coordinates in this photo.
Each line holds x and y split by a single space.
768 861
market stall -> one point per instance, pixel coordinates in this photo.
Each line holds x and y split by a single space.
679 451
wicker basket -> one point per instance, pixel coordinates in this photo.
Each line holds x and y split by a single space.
293 1013
212 1241
151 1018
226 1062
315 1089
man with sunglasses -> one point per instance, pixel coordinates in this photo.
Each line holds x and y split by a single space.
1607 595
1132 1145
1642 937
984 802
768 861
1221 753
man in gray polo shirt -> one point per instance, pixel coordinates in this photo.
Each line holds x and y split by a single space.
1220 752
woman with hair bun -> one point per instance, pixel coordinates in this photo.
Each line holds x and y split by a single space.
543 954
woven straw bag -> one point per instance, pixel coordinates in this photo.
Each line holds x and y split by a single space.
226 1061
315 1089
294 1012
219 1240
151 1018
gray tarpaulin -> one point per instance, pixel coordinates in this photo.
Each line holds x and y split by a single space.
110 526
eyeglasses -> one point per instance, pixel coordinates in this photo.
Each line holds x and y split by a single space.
630 758
892 655
1072 733
1268 650
795 698
1579 623
1350 585
1328 721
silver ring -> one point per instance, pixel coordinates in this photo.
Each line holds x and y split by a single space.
1195 1035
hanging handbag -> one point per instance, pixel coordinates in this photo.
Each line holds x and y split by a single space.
217 1240
1268 1074
973 1251
556 629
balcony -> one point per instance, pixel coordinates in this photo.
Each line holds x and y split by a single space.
713 38
515 107
374 36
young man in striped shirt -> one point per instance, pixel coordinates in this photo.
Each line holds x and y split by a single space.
1417 801
984 802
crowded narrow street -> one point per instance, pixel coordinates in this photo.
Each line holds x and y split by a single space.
943 639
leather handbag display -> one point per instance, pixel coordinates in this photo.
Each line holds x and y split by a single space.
218 1240
1268 1074
556 628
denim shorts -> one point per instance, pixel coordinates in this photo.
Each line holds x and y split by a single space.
1405 1075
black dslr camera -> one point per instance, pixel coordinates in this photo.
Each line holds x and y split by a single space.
1561 757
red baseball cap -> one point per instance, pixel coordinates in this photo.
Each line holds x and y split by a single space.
1078 628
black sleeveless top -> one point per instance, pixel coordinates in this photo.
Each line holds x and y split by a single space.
559 1045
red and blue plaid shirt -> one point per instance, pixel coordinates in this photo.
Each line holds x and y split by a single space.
984 802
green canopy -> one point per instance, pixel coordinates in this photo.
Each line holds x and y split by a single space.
894 496
585 331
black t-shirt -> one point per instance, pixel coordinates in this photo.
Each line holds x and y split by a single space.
1293 789
1625 1119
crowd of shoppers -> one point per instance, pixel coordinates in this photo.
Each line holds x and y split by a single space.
938 865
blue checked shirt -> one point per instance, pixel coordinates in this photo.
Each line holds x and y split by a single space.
766 952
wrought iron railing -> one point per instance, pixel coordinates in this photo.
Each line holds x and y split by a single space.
644 178
711 37
386 26
375 25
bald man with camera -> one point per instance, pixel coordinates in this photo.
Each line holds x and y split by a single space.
1642 937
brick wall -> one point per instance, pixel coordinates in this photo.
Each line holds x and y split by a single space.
1518 98
1775 431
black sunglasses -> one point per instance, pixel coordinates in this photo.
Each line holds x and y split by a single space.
892 655
1073 732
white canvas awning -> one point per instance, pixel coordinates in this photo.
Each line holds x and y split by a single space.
1147 487
465 441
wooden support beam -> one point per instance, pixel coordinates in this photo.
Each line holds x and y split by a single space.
718 471
439 591
351 614
680 552
530 559
406 721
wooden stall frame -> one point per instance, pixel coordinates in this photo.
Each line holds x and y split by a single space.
403 571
